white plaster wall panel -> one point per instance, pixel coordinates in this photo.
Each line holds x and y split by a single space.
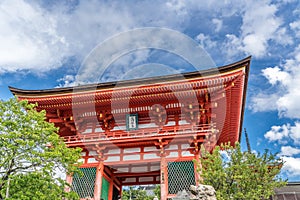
99 130
123 169
170 123
117 128
172 147
112 159
150 156
93 153
185 146
114 151
150 125
132 150
129 180
146 149
155 168
182 122
186 153
145 179
132 157
172 154
92 160
139 169
86 131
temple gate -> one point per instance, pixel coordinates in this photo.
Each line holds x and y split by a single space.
145 131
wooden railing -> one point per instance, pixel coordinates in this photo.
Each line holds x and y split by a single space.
141 133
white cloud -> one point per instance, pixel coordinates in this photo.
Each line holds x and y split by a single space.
260 26
283 37
178 6
284 133
275 75
90 23
28 38
288 104
31 35
205 41
39 39
263 102
295 133
286 94
289 151
295 26
254 45
232 46
218 24
287 1
66 81
260 18
278 133
291 166
118 70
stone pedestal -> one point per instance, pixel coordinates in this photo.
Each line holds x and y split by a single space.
200 192
203 192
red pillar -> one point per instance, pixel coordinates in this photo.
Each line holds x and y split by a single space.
163 177
69 180
121 190
196 165
111 188
98 181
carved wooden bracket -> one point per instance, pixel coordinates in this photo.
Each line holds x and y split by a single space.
100 151
107 120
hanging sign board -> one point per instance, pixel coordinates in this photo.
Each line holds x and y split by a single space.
132 122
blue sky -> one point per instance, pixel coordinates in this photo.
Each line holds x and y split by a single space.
43 43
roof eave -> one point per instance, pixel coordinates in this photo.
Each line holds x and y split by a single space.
126 83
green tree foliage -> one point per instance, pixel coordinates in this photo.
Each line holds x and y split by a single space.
157 191
32 154
135 193
38 186
240 175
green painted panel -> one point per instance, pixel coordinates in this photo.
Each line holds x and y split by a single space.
84 185
180 176
105 188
